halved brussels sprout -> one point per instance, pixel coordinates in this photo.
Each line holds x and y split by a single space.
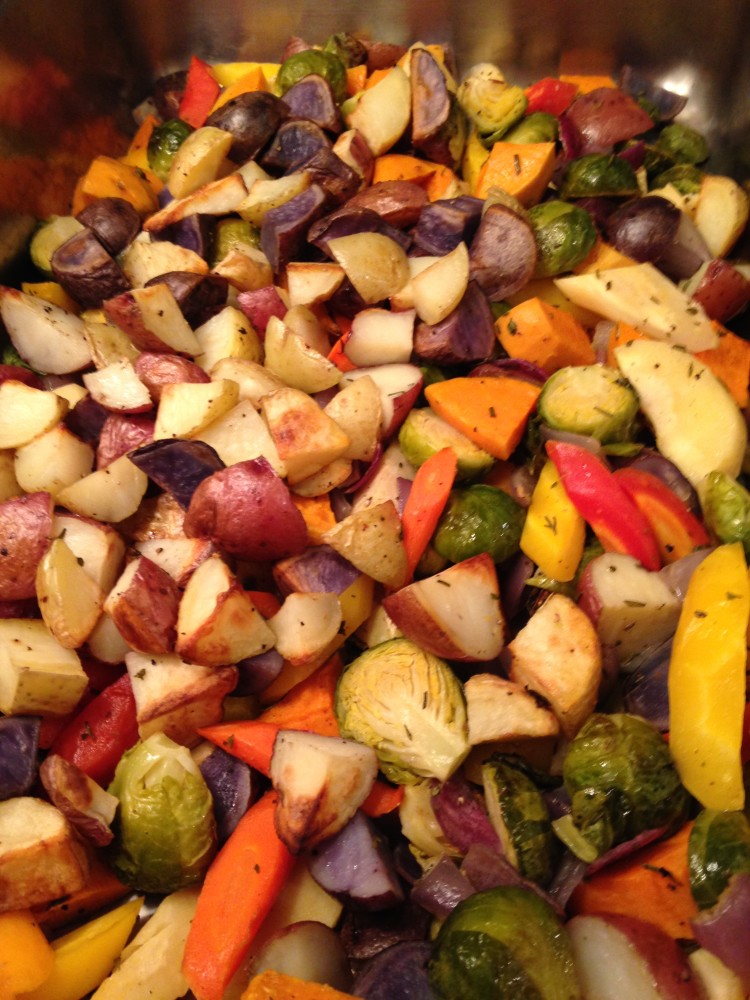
589 399
684 176
230 233
621 780
423 433
682 143
565 235
165 829
504 942
347 48
317 61
490 102
165 140
598 174
520 816
726 508
536 127
50 235
718 847
479 518
407 705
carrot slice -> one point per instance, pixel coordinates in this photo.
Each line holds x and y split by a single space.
239 890
427 497
730 362
491 412
309 705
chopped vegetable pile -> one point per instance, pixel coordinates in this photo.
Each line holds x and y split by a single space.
374 525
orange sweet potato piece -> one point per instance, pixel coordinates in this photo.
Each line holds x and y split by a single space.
492 412
546 335
523 169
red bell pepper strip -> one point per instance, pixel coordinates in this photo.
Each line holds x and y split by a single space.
201 91
603 503
427 497
241 886
550 95
97 736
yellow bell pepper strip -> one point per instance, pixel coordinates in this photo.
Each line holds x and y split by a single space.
603 503
26 957
554 533
84 957
707 680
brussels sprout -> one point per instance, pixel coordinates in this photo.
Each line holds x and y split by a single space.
684 176
165 140
718 847
10 356
621 780
598 174
478 519
309 61
589 399
48 237
536 127
726 508
490 102
503 944
409 707
565 235
230 233
520 816
347 48
682 143
166 834
423 433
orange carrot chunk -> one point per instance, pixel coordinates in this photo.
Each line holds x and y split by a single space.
424 505
240 888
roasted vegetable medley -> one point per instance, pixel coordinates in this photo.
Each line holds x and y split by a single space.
374 526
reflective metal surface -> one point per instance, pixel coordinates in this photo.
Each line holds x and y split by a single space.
70 70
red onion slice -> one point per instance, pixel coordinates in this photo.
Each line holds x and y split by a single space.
723 929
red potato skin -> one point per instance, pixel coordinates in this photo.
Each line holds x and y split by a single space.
248 512
260 305
25 531
121 434
723 291
146 614
15 373
662 954
156 370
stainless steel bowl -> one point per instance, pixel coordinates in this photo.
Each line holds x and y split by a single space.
71 70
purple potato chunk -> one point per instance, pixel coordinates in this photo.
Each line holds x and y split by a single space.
465 335
398 973
177 466
503 253
336 178
318 570
199 296
253 119
355 866
399 203
231 784
168 93
192 233
114 221
19 745
257 672
445 223
294 143
87 271
311 99
283 232
347 221
643 228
